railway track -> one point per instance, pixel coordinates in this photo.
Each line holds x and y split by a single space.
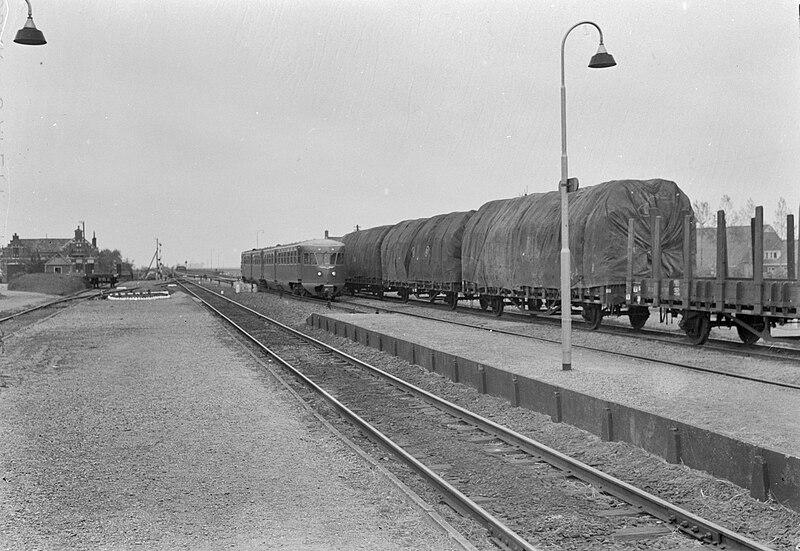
16 321
521 491
727 361
785 349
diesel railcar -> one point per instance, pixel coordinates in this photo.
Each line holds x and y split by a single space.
314 267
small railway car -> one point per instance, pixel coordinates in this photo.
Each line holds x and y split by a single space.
314 267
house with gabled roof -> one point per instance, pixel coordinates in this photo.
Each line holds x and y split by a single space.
740 253
74 255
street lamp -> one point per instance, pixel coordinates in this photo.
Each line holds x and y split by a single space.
29 34
599 60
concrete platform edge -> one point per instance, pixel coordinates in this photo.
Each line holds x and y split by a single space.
762 471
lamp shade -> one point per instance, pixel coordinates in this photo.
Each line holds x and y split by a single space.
602 59
30 35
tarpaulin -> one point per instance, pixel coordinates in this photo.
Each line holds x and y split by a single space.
514 243
396 250
435 249
362 254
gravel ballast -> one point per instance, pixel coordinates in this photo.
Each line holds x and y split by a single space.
718 500
145 425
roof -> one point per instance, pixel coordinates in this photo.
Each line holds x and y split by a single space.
740 259
58 260
45 244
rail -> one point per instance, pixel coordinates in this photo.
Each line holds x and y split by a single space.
686 522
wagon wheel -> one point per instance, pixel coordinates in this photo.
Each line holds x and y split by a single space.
534 304
697 328
483 302
404 294
638 315
756 322
593 314
451 299
497 304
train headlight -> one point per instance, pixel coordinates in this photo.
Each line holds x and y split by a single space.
333 274
319 274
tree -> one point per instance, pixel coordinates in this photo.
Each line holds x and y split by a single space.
733 217
779 225
703 215
35 264
743 215
106 260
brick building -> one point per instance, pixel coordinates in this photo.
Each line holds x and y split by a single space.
740 253
74 255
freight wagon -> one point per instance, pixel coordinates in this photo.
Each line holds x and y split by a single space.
633 249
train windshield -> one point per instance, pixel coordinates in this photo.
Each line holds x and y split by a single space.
326 259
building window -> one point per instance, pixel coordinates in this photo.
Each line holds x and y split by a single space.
772 255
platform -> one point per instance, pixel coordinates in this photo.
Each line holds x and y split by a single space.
745 432
145 424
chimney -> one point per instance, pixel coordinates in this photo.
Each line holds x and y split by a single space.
326 234
94 240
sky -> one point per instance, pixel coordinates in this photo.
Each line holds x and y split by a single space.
215 126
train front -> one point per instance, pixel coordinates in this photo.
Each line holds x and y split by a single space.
323 267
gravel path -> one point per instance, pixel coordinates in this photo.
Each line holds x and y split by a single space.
143 425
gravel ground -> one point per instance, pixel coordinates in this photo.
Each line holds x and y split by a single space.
763 415
14 301
717 500
144 425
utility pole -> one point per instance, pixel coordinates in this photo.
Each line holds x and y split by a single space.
157 259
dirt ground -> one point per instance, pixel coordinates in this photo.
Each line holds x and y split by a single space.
144 425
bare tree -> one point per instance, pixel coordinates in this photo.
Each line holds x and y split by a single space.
703 215
779 225
733 217
746 213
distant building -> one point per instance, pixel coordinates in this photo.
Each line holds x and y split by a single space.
740 253
51 255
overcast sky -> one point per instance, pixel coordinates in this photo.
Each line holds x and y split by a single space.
216 125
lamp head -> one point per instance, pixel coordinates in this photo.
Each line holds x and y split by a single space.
602 59
30 35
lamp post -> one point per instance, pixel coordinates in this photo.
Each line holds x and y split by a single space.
29 34
599 60
259 231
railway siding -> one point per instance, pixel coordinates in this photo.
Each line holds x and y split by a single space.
737 431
